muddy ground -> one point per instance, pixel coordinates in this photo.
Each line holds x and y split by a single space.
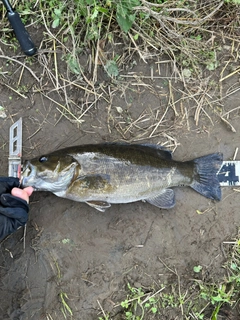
71 249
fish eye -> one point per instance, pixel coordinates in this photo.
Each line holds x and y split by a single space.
43 159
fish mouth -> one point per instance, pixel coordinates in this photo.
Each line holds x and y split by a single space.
28 176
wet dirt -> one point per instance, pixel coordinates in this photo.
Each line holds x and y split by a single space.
74 253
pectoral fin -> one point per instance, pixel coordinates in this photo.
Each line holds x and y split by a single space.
165 200
99 205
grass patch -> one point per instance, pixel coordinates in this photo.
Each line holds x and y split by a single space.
203 298
84 41
185 30
66 310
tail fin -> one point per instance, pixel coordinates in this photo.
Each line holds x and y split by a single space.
205 177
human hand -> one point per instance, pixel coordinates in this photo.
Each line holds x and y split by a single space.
13 205
22 193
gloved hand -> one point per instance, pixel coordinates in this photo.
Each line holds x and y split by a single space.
13 210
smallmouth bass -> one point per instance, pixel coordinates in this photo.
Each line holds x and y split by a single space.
104 174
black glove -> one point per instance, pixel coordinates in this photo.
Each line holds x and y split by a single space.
13 210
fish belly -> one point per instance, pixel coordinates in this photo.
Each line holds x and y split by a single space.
122 183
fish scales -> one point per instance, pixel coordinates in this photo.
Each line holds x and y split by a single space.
102 174
126 178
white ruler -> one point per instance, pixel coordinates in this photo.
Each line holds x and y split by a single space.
15 149
229 174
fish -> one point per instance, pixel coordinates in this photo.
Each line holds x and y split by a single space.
111 173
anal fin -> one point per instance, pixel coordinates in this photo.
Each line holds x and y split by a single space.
164 200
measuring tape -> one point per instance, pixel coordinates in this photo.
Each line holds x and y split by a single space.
229 174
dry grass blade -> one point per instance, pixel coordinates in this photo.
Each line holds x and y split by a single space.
137 48
228 124
230 75
159 122
14 90
22 64
160 17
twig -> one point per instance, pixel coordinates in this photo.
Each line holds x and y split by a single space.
171 98
227 113
153 295
139 52
103 312
22 64
235 154
20 77
55 63
159 122
50 33
17 92
229 75
227 122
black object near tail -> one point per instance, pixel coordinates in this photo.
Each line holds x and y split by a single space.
21 33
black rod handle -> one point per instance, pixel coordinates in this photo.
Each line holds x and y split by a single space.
20 31
7 5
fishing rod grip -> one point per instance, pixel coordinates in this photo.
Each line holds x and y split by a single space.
21 33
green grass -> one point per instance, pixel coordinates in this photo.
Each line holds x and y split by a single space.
176 27
114 35
203 299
